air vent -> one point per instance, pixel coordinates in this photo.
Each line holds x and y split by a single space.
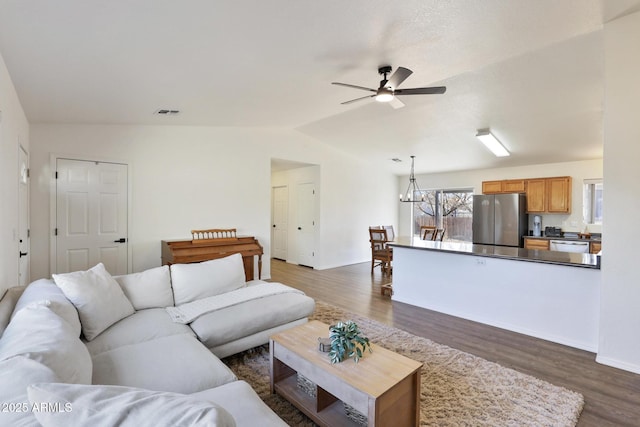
166 112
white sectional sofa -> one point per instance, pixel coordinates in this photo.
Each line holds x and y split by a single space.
86 348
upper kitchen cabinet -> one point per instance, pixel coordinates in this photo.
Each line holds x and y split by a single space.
536 195
504 186
549 195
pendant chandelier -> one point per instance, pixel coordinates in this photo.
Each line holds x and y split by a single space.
413 193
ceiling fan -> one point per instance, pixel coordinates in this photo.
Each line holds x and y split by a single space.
388 90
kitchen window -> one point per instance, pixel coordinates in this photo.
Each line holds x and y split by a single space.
592 201
448 209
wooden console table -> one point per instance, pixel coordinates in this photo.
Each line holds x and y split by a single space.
188 251
384 386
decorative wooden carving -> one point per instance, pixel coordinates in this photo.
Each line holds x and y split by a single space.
201 236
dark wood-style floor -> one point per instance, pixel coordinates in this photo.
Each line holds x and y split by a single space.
612 396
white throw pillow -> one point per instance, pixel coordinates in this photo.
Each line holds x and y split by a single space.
16 374
105 406
97 296
38 333
205 279
148 289
46 289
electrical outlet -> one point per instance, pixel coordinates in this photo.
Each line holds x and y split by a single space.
481 261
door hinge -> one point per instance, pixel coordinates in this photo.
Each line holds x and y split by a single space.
56 174
28 233
55 232
28 173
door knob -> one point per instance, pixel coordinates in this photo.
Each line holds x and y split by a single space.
23 254
299 228
120 240
274 226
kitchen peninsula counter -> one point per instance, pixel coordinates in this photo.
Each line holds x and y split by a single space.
544 294
517 254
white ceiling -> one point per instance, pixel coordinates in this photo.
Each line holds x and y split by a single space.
530 70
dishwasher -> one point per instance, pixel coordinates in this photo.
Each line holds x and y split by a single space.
569 246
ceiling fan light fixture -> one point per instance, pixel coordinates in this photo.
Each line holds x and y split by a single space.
384 95
492 143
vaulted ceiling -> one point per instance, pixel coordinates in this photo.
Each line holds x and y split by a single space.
532 71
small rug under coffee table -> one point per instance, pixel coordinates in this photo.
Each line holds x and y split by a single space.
458 389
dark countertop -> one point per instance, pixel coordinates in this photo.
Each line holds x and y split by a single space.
518 254
569 239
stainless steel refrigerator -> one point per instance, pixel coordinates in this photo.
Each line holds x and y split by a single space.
500 219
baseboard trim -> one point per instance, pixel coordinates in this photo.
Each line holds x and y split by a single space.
614 363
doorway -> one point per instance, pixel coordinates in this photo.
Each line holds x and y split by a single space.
23 218
305 237
280 221
91 216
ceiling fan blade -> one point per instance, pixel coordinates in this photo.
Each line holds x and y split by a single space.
398 77
357 99
354 86
396 103
436 90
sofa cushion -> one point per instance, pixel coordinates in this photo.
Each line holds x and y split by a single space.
97 296
143 325
231 323
106 406
8 300
205 279
243 404
16 374
39 334
46 289
177 363
148 289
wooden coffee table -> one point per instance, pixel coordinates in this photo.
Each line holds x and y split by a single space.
383 385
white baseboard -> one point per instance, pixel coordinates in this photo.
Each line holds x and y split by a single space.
631 367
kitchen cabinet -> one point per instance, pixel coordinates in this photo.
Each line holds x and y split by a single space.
504 186
559 195
491 187
536 198
530 243
595 247
549 195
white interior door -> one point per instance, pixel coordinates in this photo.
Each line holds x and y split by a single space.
280 222
306 224
23 219
91 215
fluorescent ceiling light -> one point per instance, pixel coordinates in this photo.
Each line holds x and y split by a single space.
492 143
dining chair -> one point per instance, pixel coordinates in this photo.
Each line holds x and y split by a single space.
438 234
427 232
381 254
390 234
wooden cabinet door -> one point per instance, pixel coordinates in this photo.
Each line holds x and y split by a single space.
559 195
595 247
536 192
513 186
491 187
536 244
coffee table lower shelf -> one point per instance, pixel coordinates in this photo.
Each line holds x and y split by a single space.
331 415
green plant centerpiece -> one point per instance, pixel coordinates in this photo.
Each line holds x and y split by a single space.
347 341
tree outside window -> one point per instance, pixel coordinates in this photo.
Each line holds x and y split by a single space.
448 209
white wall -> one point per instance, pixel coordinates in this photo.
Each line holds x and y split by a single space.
14 131
578 171
201 177
620 305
